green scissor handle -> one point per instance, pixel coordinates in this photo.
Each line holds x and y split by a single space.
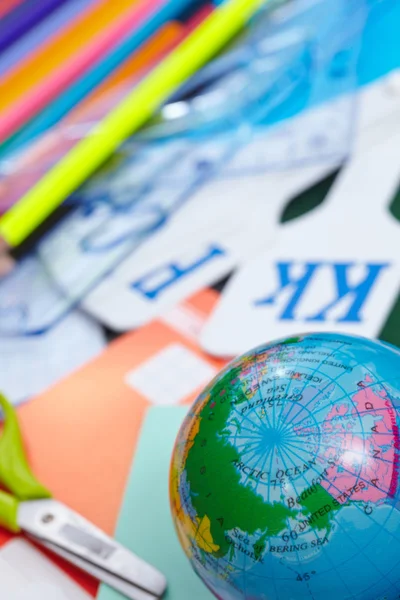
15 474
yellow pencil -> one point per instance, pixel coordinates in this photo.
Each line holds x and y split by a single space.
42 199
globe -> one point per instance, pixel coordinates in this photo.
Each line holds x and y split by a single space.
284 480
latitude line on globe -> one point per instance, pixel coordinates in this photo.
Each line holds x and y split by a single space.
357 506
362 552
395 585
262 459
358 477
348 394
313 372
254 364
362 412
366 433
358 453
339 524
332 484
315 533
246 416
305 384
253 450
289 524
254 410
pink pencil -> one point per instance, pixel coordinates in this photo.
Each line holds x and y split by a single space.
198 17
51 87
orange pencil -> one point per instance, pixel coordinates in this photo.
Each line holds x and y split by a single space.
168 37
163 41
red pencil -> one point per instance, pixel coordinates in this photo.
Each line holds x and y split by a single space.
7 6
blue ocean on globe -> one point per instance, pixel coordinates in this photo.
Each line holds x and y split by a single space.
286 472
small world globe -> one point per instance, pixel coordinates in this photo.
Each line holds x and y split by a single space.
285 475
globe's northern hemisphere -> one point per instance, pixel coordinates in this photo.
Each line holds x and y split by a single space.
285 473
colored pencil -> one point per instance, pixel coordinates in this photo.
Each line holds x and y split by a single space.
79 63
30 165
47 30
25 16
7 6
48 58
210 37
52 115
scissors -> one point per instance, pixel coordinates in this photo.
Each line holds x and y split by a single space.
29 508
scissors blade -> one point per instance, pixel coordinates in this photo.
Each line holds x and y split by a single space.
71 536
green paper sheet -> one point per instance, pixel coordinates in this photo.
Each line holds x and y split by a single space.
145 524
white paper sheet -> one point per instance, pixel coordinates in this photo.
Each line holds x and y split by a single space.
327 272
26 574
31 364
11 581
170 375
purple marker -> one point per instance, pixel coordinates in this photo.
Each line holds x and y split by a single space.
23 18
44 31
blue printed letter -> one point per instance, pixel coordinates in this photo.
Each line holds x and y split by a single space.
154 283
359 291
299 285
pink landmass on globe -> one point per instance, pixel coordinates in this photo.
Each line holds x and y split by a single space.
367 469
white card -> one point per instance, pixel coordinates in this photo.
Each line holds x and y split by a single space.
225 224
171 375
202 244
231 220
31 364
336 269
12 582
43 591
34 573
